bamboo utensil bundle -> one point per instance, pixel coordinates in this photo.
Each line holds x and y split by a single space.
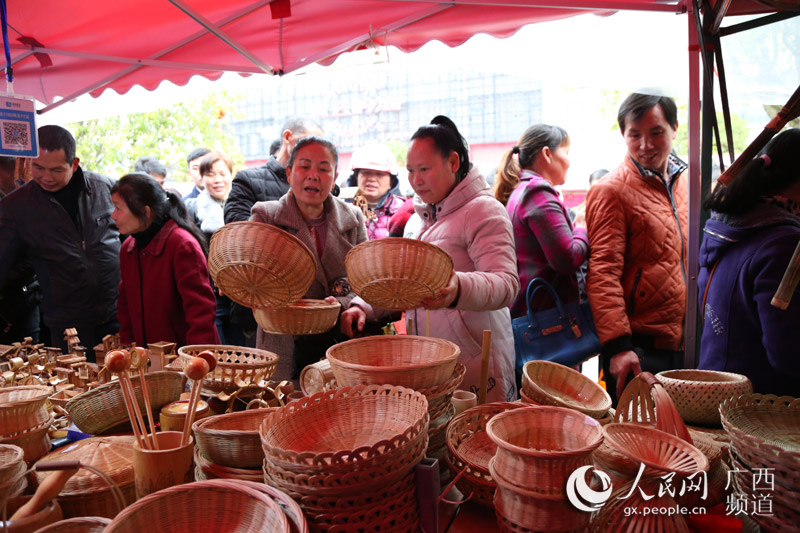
196 369
119 361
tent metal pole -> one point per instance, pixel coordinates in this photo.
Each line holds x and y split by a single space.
757 23
691 336
581 5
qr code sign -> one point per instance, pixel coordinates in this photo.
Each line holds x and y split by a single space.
16 135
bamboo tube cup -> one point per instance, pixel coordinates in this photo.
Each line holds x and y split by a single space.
486 346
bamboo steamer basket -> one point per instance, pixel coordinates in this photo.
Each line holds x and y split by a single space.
397 273
259 265
548 383
173 415
697 394
232 439
84 524
34 442
235 365
304 317
49 514
22 408
317 377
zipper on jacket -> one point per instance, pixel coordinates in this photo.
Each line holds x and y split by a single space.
632 301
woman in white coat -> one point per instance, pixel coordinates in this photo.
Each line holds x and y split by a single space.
456 210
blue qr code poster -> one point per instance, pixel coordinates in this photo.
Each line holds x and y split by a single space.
18 126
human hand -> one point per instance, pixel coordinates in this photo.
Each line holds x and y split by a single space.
580 216
352 321
622 364
446 295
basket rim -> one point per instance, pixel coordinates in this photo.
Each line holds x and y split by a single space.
603 405
202 425
385 241
610 429
731 405
393 338
44 393
731 378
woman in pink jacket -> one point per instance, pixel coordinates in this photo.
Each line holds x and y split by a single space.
164 292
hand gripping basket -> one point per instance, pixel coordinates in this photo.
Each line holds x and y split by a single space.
235 365
397 273
548 383
305 317
698 393
232 439
259 265
402 360
22 408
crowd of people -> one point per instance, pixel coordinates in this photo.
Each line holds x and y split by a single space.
128 256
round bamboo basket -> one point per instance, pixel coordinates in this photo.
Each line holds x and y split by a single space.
235 364
22 408
228 505
645 401
317 377
397 273
616 516
210 470
232 439
34 442
402 360
294 514
84 524
697 394
11 458
259 265
548 383
305 317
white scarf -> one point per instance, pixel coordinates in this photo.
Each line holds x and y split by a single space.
209 211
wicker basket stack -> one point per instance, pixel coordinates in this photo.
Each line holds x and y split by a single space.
765 437
697 394
236 365
86 493
348 456
25 419
12 471
547 383
538 448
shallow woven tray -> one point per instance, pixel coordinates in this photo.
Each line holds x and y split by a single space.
402 360
317 377
235 364
660 452
698 393
103 408
22 408
230 506
305 317
85 524
548 383
397 273
259 265
232 439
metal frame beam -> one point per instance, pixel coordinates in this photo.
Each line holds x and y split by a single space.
583 5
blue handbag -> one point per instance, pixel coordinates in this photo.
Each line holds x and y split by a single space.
564 334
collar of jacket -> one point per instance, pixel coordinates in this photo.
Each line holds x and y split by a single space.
471 186
675 168
290 216
156 246
278 169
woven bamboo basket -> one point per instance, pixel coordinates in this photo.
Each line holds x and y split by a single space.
305 317
230 506
232 439
103 408
402 360
294 514
235 365
470 449
259 265
22 408
14 484
317 377
613 516
86 493
697 394
397 273
398 515
439 396
645 401
753 485
338 430
62 397
49 514
211 470
84 524
10 461
437 431
548 383
34 442
539 447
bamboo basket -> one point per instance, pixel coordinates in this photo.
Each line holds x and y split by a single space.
62 397
317 377
401 360
645 401
103 408
259 265
397 515
294 515
548 383
84 524
11 458
397 273
317 504
439 396
22 408
612 517
232 439
50 513
14 484
235 365
230 506
305 317
34 442
697 394
210 470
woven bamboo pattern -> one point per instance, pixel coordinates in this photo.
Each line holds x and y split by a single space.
398 515
645 401
210 470
22 408
10 461
14 483
101 409
84 524
34 442
470 449
548 383
697 394
305 317
230 506
232 439
235 365
784 511
294 515
259 265
317 377
402 360
397 273
317 504
444 391
611 517
661 452
62 397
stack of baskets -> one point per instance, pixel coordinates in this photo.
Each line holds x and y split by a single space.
12 471
697 394
228 446
765 438
348 456
86 493
547 383
538 448
469 450
236 366
426 364
25 420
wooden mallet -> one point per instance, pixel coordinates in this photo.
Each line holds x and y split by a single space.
118 361
196 369
139 358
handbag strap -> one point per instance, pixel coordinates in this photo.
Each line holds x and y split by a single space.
533 287
705 294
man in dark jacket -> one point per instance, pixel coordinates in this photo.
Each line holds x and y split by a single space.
193 164
61 222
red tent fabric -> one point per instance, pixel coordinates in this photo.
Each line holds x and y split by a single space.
64 49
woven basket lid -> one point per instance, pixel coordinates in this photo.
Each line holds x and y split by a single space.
112 455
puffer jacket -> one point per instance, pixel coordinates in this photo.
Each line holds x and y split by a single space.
637 267
251 185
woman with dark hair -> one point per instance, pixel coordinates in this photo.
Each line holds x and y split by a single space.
548 245
164 292
748 243
455 210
